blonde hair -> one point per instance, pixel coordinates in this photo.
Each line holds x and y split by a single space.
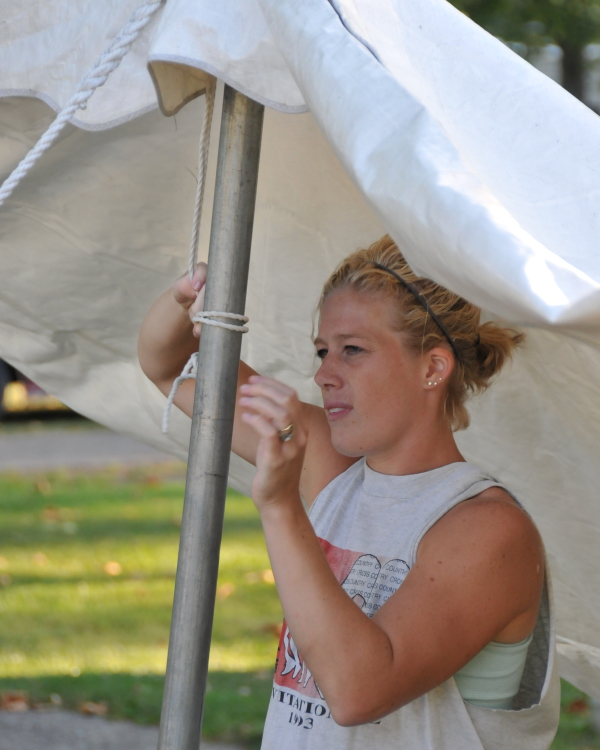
483 348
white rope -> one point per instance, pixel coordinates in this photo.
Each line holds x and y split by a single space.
203 152
206 318
189 372
96 77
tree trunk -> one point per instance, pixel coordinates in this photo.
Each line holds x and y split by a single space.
573 69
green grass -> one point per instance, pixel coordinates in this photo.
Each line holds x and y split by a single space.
575 731
72 632
69 628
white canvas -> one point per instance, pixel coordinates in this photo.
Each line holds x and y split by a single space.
421 124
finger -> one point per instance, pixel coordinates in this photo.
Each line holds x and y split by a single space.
200 297
196 307
264 427
281 410
267 408
272 382
186 289
199 277
259 386
183 291
198 303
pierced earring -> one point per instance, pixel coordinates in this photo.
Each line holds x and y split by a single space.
429 382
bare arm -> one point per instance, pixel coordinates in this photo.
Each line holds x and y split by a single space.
168 339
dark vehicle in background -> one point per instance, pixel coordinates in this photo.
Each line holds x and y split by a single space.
18 394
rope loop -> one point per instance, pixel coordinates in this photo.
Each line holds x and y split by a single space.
206 318
189 372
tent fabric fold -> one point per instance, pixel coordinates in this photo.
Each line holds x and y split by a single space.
421 124
228 40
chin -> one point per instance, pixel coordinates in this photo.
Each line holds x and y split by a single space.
346 446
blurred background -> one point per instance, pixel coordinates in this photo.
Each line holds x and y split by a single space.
89 520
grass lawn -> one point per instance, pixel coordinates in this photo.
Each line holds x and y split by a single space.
87 567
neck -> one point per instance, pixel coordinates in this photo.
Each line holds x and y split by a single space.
424 449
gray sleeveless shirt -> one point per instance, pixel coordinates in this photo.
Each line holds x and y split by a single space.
370 526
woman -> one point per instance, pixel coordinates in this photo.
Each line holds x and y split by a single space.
414 591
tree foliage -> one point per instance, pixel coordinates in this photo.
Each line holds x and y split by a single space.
571 24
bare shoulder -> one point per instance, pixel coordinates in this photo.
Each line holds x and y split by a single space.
322 463
488 551
489 527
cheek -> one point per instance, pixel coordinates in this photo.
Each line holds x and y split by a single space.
388 390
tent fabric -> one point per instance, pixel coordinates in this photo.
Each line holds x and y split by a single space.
47 47
230 40
420 124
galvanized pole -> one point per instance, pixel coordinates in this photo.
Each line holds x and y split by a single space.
212 425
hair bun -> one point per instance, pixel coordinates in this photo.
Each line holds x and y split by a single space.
495 347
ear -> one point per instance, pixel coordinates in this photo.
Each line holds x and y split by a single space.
439 364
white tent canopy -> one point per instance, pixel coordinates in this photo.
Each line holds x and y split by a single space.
485 171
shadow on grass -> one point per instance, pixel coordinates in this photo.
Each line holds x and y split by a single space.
235 707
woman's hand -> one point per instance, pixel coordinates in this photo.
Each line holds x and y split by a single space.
269 407
190 294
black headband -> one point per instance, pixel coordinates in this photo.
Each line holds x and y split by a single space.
419 297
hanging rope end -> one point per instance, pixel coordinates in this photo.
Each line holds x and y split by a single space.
189 372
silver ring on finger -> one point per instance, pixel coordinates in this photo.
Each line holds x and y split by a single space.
287 433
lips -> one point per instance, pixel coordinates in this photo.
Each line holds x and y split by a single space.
337 411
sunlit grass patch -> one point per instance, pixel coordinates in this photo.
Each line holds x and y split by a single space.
87 568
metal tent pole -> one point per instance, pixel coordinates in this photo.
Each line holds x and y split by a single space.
212 425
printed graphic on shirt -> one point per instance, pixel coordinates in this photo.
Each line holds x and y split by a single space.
369 581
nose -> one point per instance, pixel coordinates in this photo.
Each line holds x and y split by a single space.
327 376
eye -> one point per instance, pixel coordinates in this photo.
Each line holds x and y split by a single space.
353 350
321 353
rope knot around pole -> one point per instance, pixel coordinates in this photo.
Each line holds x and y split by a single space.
190 371
206 317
